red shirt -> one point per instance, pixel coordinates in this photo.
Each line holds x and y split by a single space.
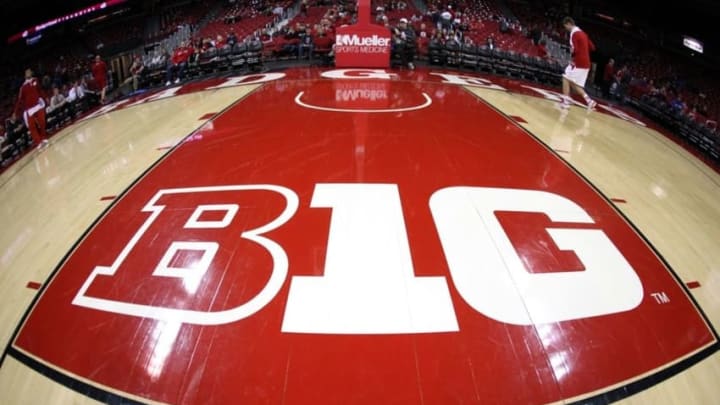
323 43
29 96
99 70
581 46
181 54
542 51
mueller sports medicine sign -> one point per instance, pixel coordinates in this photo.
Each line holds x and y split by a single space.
363 44
355 40
353 44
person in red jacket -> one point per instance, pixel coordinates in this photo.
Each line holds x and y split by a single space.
577 71
31 106
99 72
178 63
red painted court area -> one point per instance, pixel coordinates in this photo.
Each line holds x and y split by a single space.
302 254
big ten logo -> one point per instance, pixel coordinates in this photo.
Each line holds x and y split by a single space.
361 94
193 240
368 285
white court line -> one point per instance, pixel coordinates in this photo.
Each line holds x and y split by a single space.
427 103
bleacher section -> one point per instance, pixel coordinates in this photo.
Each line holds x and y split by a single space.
269 31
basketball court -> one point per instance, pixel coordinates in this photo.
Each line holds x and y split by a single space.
359 237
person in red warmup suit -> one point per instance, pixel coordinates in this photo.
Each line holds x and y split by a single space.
577 71
99 72
31 106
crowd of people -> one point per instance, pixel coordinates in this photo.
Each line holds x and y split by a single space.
631 80
623 84
312 32
411 32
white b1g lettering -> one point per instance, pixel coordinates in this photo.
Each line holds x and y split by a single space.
369 285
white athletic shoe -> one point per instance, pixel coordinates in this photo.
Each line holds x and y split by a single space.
411 66
177 81
167 83
591 105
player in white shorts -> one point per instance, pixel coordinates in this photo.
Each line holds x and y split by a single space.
577 71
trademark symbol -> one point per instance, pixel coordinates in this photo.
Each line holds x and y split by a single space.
660 297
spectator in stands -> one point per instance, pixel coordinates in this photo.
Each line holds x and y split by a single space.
622 80
178 63
31 105
56 101
422 31
76 92
490 43
541 49
404 43
323 46
608 76
306 44
504 26
220 41
446 18
454 37
99 71
194 58
232 38
379 14
678 104
136 70
290 42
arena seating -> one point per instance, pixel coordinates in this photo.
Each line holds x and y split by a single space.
261 37
177 15
245 21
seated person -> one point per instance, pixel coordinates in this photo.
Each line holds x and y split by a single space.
136 71
178 63
56 101
75 93
306 44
